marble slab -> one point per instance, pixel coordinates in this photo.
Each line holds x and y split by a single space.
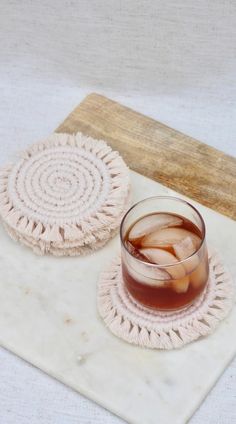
48 316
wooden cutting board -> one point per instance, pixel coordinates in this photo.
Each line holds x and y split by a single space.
159 152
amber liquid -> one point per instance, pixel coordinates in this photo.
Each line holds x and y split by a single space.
172 293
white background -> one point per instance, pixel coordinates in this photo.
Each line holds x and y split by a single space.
172 60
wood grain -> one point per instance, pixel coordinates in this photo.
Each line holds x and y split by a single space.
159 152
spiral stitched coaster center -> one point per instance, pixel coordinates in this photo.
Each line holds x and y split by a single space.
60 183
145 327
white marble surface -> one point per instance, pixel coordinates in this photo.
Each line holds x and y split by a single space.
174 61
48 316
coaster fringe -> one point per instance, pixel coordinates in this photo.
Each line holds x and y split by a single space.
145 327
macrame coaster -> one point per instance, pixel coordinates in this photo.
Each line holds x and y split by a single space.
145 327
66 196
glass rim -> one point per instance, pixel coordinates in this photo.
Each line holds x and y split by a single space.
168 198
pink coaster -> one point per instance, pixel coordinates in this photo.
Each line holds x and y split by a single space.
66 196
164 330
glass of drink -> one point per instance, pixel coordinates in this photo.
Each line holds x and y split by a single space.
164 253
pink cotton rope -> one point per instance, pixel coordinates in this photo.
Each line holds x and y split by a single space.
66 196
148 328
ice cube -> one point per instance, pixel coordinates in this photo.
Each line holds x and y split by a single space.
134 251
149 275
185 248
199 276
168 237
162 257
153 222
181 285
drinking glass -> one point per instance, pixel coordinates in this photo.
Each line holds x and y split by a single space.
165 286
